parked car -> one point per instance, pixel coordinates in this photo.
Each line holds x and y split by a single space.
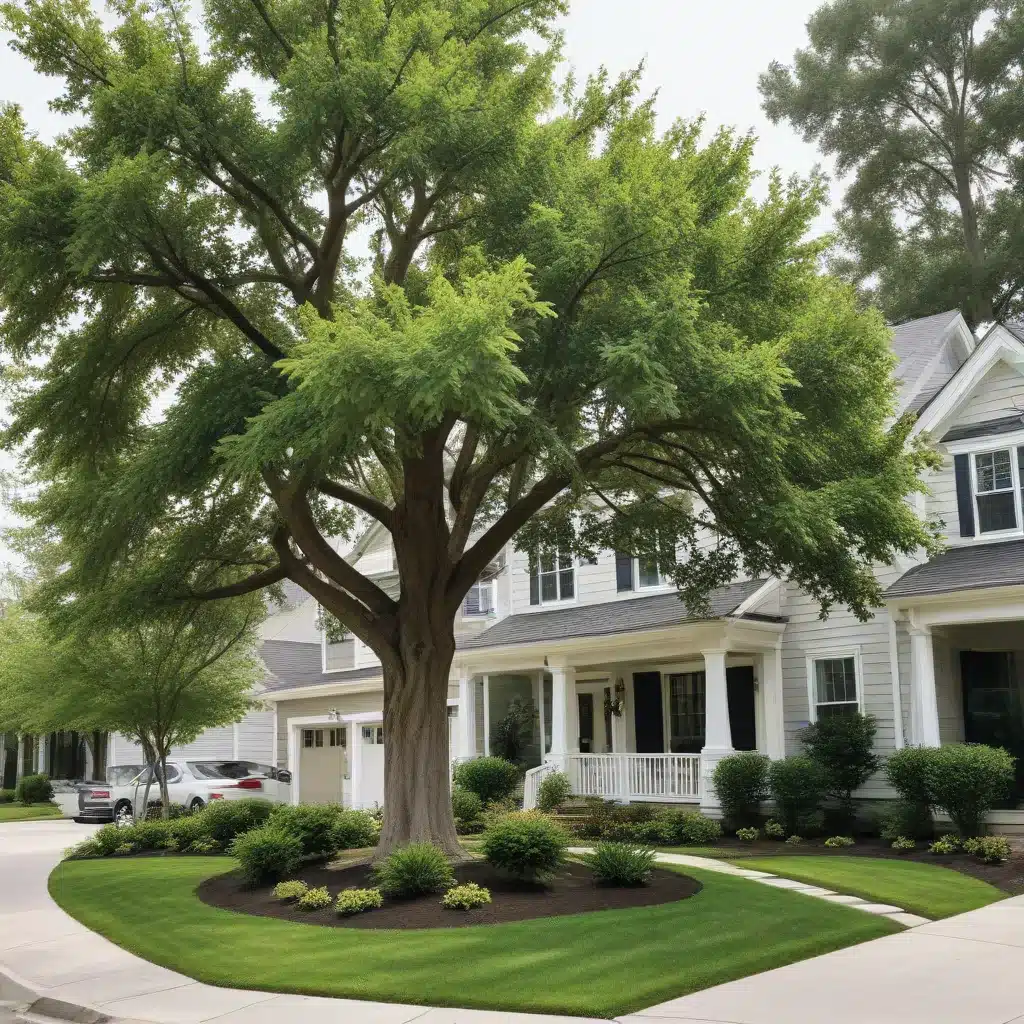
190 784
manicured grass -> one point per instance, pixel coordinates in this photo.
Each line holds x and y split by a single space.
28 812
600 964
925 889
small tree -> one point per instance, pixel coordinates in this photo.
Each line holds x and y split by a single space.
843 748
513 731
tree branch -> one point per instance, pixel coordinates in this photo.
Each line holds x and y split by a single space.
364 502
257 581
262 11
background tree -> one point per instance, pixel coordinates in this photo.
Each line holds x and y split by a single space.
922 102
160 682
575 328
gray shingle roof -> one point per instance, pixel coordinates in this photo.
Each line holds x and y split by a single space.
915 344
1016 328
1002 425
972 567
292 664
610 617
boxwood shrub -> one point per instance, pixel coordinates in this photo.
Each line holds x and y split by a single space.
907 772
467 809
741 782
312 824
33 789
267 854
223 820
966 780
491 778
796 786
527 844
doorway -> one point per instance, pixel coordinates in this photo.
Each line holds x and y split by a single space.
739 682
648 717
585 703
992 705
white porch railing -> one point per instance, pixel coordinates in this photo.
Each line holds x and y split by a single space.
625 777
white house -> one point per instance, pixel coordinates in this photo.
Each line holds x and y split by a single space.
637 699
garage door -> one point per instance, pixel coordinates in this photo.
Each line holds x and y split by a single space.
323 766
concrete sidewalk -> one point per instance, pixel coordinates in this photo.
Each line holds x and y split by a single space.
964 970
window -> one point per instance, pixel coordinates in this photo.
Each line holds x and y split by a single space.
647 574
637 573
480 599
373 735
686 693
994 491
835 686
553 578
307 738
336 737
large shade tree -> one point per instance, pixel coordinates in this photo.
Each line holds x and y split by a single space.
921 102
573 330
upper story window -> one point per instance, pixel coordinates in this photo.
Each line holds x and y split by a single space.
636 573
834 686
997 490
553 578
481 599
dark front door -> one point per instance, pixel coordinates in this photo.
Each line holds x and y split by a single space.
992 704
740 684
585 702
647 714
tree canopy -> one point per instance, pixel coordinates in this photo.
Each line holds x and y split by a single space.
573 330
922 101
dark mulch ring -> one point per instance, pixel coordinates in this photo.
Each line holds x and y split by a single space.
572 891
1008 876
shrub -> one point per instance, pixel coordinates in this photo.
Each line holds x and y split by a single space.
748 835
358 901
903 844
945 844
966 780
741 782
796 787
33 789
6 796
148 835
989 849
687 828
414 870
794 840
267 853
80 851
312 824
554 790
620 864
491 778
206 846
907 772
292 890
835 842
905 818
108 839
315 899
224 820
467 809
189 831
466 897
354 830
773 830
842 746
124 850
527 844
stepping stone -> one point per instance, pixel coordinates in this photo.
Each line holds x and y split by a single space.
877 908
842 898
816 890
750 873
908 920
785 883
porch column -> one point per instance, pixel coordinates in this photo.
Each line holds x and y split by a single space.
538 683
926 708
467 715
771 702
20 764
564 735
41 750
487 715
355 765
717 729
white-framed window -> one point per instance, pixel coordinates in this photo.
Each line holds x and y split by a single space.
373 735
553 578
481 599
996 490
637 574
336 737
834 683
647 574
312 738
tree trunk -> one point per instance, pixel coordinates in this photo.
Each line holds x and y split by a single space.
165 799
417 782
980 303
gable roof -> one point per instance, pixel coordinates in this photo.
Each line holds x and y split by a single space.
929 351
971 567
626 616
291 663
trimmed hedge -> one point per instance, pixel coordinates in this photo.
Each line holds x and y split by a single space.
741 782
966 780
267 854
491 778
796 786
314 825
225 819
527 844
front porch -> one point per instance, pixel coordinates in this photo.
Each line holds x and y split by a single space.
631 718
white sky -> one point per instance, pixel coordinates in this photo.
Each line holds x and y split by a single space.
701 57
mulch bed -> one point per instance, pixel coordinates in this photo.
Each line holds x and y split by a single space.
573 891
1008 876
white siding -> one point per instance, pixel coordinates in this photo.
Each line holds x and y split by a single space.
999 393
340 656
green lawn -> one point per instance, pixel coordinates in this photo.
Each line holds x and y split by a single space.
28 812
925 889
600 964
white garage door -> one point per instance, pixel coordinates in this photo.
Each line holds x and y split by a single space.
323 766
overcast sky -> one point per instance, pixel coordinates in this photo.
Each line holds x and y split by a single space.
702 56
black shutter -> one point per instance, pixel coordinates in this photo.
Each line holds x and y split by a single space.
534 588
964 498
623 572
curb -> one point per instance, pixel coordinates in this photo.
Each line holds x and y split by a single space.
22 1000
